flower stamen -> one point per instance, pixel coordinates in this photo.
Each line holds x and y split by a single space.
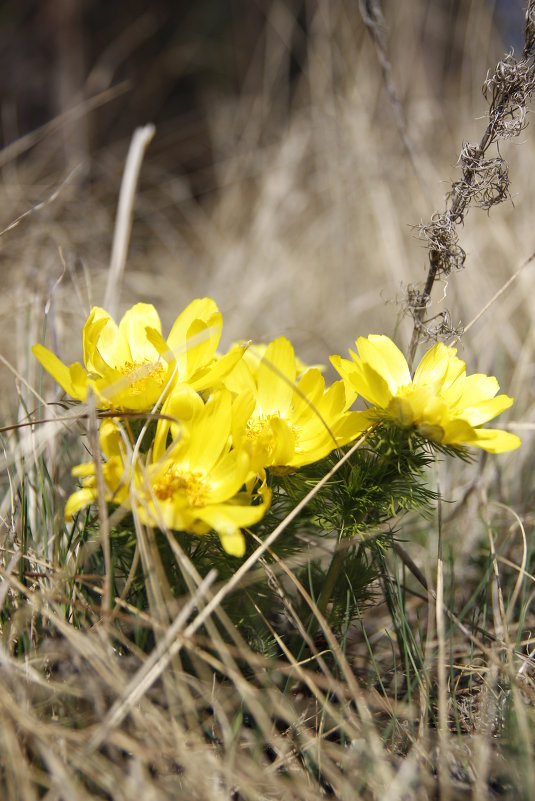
177 480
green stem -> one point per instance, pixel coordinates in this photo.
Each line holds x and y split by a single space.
333 573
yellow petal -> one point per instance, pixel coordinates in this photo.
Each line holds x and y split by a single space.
344 367
458 432
228 476
210 433
132 330
478 387
110 438
363 379
158 342
385 358
105 347
309 393
333 402
228 519
455 374
452 392
79 382
312 446
435 364
486 410
242 409
204 309
351 426
254 355
379 393
421 406
240 378
233 542
98 319
164 514
216 371
495 440
117 477
183 404
201 344
283 442
83 470
73 379
276 377
78 500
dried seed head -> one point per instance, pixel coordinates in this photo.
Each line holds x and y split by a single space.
445 253
529 31
484 182
436 328
508 91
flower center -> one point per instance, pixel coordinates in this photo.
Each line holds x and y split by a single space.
177 481
140 375
275 436
259 430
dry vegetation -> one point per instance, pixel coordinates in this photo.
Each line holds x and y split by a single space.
299 221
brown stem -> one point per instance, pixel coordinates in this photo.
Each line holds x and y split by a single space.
461 197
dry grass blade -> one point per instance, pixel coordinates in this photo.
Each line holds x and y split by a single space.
123 225
152 668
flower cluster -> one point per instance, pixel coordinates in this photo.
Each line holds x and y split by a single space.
225 422
223 419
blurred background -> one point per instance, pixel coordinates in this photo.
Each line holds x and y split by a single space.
285 179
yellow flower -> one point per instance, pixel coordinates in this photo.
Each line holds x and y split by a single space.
441 401
195 484
131 366
288 423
